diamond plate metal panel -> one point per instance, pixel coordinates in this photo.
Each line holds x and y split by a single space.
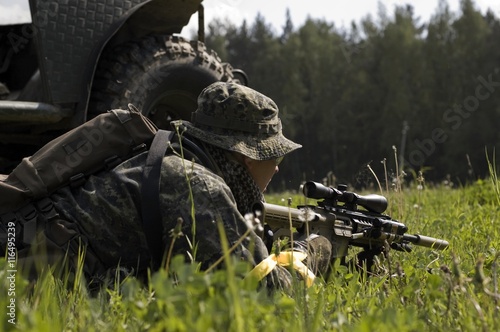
68 31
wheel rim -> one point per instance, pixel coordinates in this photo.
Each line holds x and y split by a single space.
170 105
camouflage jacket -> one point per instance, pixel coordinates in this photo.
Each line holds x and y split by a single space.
107 211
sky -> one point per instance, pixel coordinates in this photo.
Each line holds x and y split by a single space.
341 13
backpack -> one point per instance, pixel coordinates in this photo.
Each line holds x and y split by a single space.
27 215
100 143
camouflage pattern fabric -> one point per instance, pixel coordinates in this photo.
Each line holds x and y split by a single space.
240 119
107 209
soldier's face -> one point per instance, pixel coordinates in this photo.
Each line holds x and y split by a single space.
262 171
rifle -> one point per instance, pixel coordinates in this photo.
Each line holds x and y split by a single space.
338 218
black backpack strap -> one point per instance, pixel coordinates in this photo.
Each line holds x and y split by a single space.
192 151
150 192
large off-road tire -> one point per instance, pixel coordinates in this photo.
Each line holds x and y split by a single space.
160 75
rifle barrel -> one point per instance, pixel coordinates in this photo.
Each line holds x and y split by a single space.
427 241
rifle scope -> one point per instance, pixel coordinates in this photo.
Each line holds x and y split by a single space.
372 202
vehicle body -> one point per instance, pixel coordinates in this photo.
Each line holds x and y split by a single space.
77 59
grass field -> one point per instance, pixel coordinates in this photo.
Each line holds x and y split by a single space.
452 290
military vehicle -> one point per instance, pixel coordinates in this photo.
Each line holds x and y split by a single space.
77 59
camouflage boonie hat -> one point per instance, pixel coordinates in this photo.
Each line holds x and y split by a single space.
237 118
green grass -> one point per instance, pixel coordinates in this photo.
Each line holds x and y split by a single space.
454 290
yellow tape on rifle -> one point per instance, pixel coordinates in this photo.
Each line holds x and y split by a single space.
284 258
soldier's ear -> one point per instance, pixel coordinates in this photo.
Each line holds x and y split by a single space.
248 162
243 160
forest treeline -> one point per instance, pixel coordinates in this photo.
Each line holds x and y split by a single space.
384 94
